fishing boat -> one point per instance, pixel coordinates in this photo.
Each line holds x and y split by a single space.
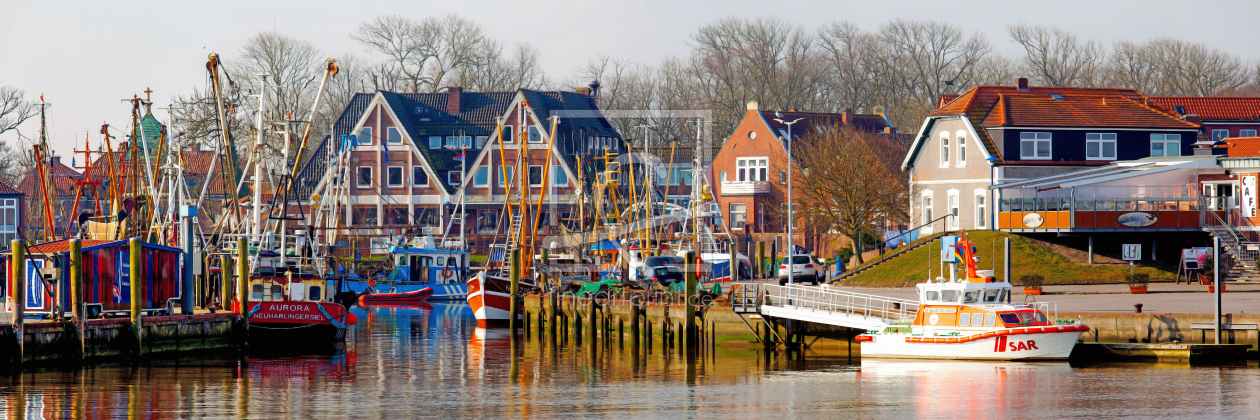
416 296
421 264
491 298
968 318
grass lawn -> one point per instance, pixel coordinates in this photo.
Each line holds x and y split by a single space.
478 258
1027 257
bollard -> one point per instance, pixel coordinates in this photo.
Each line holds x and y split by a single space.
634 324
516 288
1137 308
135 291
761 258
187 288
734 269
18 292
242 270
591 321
225 277
689 311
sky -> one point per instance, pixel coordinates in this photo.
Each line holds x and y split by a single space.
88 57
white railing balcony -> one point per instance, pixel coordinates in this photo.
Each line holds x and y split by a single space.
745 187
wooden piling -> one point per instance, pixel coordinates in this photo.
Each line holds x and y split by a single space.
689 311
242 272
225 278
76 291
18 293
136 275
515 289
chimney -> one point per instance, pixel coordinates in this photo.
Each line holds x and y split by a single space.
846 116
1023 85
594 93
1191 118
752 106
452 99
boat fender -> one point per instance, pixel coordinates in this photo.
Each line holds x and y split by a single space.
331 320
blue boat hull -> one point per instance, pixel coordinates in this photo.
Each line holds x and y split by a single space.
440 291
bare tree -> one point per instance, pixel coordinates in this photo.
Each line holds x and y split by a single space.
851 181
1168 66
292 64
14 108
1057 57
424 54
925 55
521 69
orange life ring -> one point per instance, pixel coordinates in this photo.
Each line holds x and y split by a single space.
447 272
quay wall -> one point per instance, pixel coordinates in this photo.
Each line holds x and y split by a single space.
719 325
60 343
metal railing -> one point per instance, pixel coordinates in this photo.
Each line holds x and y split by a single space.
839 303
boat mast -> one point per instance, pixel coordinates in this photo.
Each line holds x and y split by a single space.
228 176
257 158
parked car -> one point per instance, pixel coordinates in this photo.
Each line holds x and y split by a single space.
804 269
644 271
665 275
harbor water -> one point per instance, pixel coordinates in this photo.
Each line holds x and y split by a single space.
432 361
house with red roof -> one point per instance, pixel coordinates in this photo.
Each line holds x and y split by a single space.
1221 117
60 199
751 169
1000 134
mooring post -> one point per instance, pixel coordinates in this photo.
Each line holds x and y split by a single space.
516 288
18 294
188 288
634 323
1216 284
761 259
225 278
734 263
592 321
136 276
76 290
242 273
689 311
1006 259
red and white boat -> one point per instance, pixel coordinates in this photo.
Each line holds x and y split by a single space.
285 310
416 296
969 319
490 298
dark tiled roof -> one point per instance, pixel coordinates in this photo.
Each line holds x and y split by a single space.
1213 108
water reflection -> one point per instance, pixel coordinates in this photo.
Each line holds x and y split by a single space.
432 361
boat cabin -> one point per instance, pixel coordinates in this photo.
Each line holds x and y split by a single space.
427 265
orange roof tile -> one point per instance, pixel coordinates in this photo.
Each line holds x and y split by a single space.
1214 108
1029 110
1243 146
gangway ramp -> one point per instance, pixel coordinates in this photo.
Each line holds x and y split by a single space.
832 307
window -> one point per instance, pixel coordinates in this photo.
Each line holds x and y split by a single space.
8 219
481 141
964 320
753 169
435 142
990 319
488 221
453 141
927 209
953 210
394 176
559 177
502 176
534 137
981 216
1219 134
1246 133
1100 146
363 216
944 149
452 177
419 177
1165 145
468 142
1034 145
739 215
425 216
482 177
782 176
962 150
507 134
396 215
722 176
365 135
393 136
315 290
535 176
365 176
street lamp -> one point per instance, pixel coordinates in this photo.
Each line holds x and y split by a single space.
991 195
791 247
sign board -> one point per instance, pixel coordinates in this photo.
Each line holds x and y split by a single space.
120 290
948 254
34 285
1247 195
1190 257
1131 252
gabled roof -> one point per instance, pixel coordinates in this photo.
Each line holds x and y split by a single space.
1243 146
997 106
1213 108
63 178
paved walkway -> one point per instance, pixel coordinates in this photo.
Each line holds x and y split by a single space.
1161 297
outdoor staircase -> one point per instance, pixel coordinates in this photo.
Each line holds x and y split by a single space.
1244 253
889 256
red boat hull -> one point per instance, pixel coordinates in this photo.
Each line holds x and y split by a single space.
489 306
396 298
297 322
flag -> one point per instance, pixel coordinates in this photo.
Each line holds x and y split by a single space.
461 156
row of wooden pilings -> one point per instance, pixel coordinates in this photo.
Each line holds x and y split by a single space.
104 337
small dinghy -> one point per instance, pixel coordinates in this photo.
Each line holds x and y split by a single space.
396 298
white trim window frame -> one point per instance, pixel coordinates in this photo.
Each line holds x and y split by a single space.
481 178
1097 144
952 207
944 149
961 138
393 136
1036 145
535 137
453 177
1161 143
389 176
530 173
927 210
1219 134
498 173
418 174
739 215
752 169
982 207
481 141
9 217
363 177
435 142
507 134
1247 132
559 178
365 135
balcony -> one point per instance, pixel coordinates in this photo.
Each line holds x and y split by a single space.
745 188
